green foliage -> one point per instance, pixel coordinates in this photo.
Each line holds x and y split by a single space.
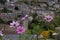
26 2
1 38
34 15
5 22
5 10
38 29
1 21
27 32
52 27
25 37
35 28
0 11
3 1
57 10
57 21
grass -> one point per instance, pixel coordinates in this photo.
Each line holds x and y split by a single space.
1 38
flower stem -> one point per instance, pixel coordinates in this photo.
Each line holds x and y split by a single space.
37 36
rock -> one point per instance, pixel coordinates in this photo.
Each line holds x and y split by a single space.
49 39
25 23
11 37
57 37
30 18
24 7
7 29
57 29
26 37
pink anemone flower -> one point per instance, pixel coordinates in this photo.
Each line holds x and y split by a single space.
14 24
48 18
1 34
20 30
24 17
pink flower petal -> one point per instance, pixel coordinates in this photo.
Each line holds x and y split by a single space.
23 18
12 24
17 24
20 30
1 33
26 15
48 18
